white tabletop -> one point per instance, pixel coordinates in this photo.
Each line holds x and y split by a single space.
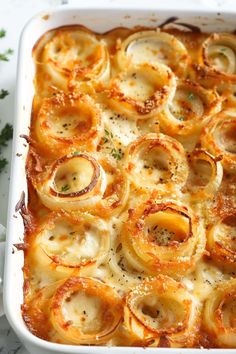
13 15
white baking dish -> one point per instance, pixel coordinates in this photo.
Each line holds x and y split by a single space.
99 18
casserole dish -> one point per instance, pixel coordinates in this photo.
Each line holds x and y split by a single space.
97 20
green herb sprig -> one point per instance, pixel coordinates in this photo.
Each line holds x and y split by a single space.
6 134
116 153
3 163
5 56
3 94
2 33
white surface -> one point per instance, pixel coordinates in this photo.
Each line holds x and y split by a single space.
13 15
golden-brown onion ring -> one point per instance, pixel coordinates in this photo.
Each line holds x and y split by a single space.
73 182
141 91
85 311
153 47
67 243
205 175
221 241
219 138
218 56
162 307
219 317
75 55
156 161
190 109
160 237
67 122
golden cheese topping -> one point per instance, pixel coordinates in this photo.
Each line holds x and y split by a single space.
130 226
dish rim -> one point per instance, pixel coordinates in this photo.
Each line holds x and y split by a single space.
23 332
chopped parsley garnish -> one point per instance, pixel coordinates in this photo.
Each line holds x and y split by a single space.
223 49
3 163
181 118
190 96
3 94
2 33
6 134
65 188
4 56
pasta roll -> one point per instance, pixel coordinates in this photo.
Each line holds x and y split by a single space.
75 55
141 91
221 241
220 314
160 237
153 47
85 311
162 307
67 122
218 56
205 175
73 182
219 138
189 110
156 161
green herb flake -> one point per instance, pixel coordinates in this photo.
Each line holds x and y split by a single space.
4 56
76 153
3 163
108 133
105 140
108 136
190 96
223 49
3 94
117 154
182 118
2 33
65 188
